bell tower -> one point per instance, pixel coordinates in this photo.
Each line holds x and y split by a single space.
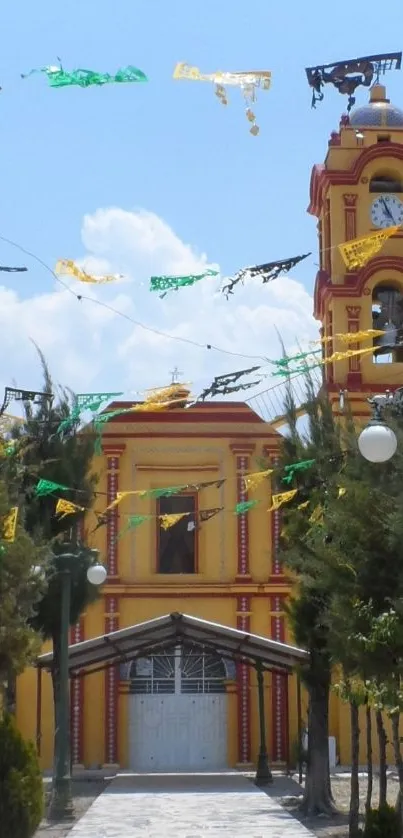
358 190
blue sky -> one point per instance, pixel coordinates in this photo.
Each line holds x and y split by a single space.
168 147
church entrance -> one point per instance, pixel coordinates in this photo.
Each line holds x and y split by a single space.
178 711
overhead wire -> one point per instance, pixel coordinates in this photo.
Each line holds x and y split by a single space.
127 317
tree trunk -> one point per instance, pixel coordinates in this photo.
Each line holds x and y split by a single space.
317 797
370 771
383 780
399 763
353 818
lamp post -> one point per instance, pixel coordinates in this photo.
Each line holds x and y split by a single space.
61 804
263 774
377 442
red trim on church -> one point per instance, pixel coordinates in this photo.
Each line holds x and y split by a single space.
111 688
350 216
354 364
243 684
354 283
322 178
242 452
279 687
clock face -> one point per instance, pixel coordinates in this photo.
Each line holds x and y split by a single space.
387 211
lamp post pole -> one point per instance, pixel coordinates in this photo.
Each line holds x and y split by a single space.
61 803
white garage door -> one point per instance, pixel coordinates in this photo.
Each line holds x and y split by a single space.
178 712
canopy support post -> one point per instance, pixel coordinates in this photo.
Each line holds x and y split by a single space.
263 774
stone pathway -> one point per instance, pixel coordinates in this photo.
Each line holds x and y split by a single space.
187 806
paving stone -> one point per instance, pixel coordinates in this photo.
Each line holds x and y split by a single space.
186 806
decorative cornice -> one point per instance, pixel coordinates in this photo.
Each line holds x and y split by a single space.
238 412
322 178
353 312
350 199
113 450
242 447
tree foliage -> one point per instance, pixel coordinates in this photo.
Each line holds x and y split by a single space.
21 588
65 459
345 546
21 785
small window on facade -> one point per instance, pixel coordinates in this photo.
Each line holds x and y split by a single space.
383 138
385 183
387 314
177 546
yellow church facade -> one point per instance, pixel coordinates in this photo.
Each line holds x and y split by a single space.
226 568
223 569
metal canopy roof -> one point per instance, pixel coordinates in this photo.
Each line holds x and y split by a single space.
145 638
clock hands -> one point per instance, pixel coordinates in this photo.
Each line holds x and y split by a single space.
388 212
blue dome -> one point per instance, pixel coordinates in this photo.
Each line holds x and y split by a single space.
378 113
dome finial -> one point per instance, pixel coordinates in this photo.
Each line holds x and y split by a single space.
378 93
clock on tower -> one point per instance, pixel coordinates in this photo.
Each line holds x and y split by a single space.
356 191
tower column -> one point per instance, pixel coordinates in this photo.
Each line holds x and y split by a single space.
354 378
280 731
242 453
111 721
350 216
243 687
112 454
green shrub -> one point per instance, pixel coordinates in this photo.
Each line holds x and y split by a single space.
21 786
382 823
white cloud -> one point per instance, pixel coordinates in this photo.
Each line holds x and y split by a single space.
89 348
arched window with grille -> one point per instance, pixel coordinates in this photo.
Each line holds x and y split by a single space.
183 669
387 314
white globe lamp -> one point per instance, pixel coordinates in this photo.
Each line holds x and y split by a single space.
377 442
96 574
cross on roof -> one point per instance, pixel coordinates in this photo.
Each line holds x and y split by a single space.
175 374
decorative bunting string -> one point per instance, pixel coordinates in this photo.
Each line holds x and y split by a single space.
221 382
336 356
84 402
93 401
169 283
169 520
245 506
352 337
57 77
48 487
10 524
357 252
66 507
293 468
248 82
317 515
281 498
252 481
67 267
15 394
206 514
133 521
267 272
346 76
286 360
